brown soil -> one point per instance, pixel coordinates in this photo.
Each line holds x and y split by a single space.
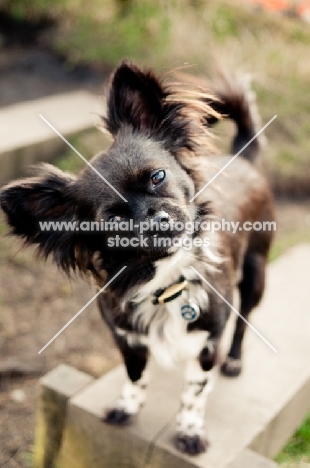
36 301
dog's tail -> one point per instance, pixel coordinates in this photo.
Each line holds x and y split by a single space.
237 101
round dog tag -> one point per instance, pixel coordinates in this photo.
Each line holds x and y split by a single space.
190 312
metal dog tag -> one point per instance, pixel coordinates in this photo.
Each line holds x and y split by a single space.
190 311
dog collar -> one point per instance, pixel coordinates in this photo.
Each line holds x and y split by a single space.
189 311
171 292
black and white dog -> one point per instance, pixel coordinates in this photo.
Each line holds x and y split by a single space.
160 158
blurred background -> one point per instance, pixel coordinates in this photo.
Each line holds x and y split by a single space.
52 51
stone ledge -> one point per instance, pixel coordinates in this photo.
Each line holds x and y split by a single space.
250 459
254 413
26 139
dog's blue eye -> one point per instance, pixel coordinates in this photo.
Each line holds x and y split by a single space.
114 219
158 177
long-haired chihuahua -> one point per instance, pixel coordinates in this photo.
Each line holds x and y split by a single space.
162 303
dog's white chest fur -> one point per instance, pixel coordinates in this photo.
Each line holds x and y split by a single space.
168 339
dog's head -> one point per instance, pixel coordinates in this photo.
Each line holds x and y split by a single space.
143 177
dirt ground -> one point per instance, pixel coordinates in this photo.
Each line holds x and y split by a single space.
36 301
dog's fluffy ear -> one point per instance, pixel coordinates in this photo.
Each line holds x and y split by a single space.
173 113
44 197
135 98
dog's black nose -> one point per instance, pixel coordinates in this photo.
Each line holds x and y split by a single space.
161 217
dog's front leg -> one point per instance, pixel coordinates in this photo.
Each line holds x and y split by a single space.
199 375
133 393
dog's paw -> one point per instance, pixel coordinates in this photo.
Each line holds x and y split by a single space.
231 367
117 417
190 444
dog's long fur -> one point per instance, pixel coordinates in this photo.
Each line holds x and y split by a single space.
160 127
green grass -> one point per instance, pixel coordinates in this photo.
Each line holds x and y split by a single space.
2 227
30 460
287 240
70 161
100 31
298 448
126 34
88 144
225 23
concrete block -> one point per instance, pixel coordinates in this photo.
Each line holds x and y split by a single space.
89 442
279 429
56 388
258 411
25 138
250 459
